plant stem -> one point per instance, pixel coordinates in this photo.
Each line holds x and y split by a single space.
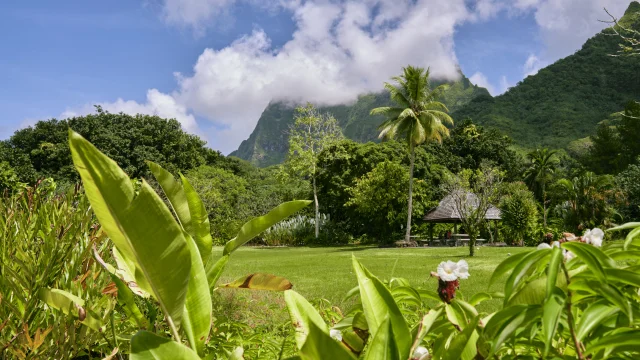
570 319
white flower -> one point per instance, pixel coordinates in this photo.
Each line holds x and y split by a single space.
447 271
420 353
543 246
594 237
555 244
568 255
462 269
335 334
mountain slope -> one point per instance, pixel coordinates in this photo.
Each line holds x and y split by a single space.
564 101
268 143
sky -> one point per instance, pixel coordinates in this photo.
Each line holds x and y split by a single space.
214 65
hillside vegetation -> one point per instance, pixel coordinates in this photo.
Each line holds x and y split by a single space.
561 103
268 143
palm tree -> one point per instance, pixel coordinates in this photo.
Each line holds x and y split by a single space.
539 174
417 116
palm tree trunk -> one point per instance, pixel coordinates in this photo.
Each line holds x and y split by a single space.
315 199
407 236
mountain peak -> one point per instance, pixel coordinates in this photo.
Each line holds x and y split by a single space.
631 17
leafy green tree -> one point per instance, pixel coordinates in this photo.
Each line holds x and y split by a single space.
629 131
380 196
417 116
474 192
310 134
605 155
469 144
540 173
128 140
629 183
8 178
519 212
586 201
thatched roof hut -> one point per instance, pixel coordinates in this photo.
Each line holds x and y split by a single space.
446 211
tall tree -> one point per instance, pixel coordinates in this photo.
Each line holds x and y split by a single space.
418 117
309 135
539 173
473 194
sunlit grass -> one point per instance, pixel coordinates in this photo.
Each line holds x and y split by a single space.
327 273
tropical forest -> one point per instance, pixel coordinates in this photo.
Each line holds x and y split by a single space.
431 215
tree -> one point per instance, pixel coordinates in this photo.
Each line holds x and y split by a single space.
128 140
473 194
310 134
630 186
519 211
539 173
417 116
586 201
379 197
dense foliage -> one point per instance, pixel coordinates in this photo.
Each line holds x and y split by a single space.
565 100
42 150
268 143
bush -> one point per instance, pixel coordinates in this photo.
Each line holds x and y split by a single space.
520 216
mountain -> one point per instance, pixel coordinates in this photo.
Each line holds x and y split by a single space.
565 101
268 143
561 103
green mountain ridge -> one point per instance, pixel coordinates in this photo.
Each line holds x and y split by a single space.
562 103
268 143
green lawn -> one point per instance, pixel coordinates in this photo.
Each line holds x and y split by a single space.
327 273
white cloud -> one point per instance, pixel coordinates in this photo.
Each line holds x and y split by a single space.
481 80
566 24
157 103
340 49
332 58
504 84
532 65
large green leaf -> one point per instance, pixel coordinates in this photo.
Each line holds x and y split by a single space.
521 269
320 346
149 346
196 321
201 229
593 257
425 325
378 304
174 192
69 304
125 298
507 265
303 314
463 345
632 234
188 208
593 316
257 225
505 322
623 341
214 269
142 228
383 345
259 281
125 294
552 271
551 313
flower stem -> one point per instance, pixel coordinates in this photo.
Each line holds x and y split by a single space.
570 319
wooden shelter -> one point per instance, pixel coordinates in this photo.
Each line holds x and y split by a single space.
447 212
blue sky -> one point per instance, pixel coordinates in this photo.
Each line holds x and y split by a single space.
215 64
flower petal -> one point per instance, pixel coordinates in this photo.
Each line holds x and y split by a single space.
544 246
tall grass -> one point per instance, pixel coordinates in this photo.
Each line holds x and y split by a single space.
45 240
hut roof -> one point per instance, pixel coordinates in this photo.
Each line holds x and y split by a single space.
446 210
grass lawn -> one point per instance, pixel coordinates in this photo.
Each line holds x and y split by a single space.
326 273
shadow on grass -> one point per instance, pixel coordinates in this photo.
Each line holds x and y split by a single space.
355 248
